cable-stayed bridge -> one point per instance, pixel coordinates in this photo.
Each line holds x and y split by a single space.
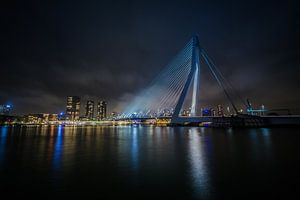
167 94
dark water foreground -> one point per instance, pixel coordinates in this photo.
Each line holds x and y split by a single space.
148 162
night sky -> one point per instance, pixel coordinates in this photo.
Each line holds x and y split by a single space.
110 50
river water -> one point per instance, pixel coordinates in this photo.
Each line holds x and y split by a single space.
139 162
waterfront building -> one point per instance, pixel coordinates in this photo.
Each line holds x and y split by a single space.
113 115
9 119
213 112
5 109
61 116
185 113
73 108
101 110
89 110
53 117
206 112
262 108
228 110
38 118
220 111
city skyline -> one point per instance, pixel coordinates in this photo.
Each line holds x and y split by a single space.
59 49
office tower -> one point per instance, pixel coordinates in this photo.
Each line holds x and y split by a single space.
89 109
101 110
73 108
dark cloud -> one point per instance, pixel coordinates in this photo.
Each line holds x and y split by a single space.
112 49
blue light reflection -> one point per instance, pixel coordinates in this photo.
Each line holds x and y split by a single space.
4 130
134 147
197 158
58 148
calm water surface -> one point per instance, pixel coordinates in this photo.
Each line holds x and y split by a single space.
140 162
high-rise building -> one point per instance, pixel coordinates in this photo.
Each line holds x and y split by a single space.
73 108
101 110
89 109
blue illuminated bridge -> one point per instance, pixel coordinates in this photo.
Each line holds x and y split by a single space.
165 97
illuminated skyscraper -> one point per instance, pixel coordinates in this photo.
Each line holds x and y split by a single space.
89 110
73 108
101 110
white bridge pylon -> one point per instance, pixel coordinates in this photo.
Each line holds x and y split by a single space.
193 78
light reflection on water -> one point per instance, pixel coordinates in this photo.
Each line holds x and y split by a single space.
266 138
134 148
178 162
3 138
261 142
58 148
266 142
199 171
